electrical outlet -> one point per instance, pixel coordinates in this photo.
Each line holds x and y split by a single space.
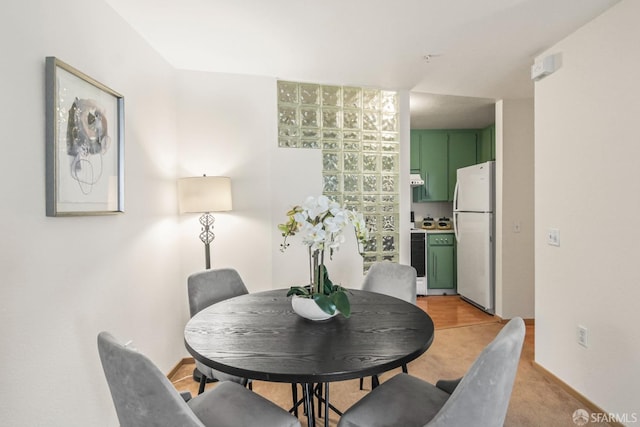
553 237
583 336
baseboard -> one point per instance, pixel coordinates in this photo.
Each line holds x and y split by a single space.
184 361
567 388
528 322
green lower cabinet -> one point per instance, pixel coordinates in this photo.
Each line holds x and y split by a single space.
441 263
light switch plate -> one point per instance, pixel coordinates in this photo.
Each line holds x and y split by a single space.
553 237
517 226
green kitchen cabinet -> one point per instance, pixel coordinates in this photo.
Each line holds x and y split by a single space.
437 155
429 154
487 144
441 263
433 166
462 153
414 156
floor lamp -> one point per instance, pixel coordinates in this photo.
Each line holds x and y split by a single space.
205 194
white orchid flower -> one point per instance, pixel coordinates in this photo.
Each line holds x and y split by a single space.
320 209
301 217
308 207
309 203
315 236
334 207
321 223
323 202
360 225
335 224
306 228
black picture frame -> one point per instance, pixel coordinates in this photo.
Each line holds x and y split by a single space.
84 144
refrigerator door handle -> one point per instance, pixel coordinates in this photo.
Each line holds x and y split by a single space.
455 225
455 196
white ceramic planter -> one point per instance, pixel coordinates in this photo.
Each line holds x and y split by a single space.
307 308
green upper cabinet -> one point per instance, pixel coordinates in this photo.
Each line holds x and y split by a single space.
429 159
462 153
415 151
433 166
436 155
487 144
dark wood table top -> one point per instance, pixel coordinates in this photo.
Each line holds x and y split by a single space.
259 336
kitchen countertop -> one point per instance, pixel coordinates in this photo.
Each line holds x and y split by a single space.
434 231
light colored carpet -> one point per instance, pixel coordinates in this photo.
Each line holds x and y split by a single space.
535 402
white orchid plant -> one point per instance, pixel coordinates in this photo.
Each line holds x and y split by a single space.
321 222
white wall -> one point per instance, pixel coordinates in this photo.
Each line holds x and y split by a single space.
587 175
227 126
65 279
405 166
514 208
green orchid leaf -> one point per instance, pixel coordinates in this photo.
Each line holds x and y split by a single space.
298 290
325 303
326 282
341 301
328 287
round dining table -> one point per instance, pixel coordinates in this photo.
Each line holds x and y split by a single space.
258 336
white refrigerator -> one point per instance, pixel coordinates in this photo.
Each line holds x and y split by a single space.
474 227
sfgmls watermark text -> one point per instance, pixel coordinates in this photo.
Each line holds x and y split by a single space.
582 417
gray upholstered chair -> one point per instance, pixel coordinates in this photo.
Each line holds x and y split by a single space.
204 289
396 280
144 397
480 399
390 278
209 287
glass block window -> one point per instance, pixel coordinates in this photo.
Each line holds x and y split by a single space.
357 131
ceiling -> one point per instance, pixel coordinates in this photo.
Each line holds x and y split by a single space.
468 48
432 111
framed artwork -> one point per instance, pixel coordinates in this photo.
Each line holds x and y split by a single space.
84 144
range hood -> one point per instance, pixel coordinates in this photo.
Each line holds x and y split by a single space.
415 180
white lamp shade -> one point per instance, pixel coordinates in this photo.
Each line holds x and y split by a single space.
204 194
